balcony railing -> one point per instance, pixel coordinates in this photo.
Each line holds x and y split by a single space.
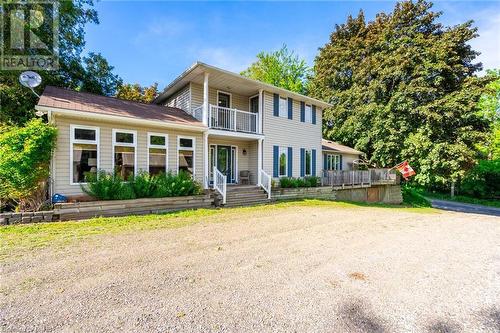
232 119
228 119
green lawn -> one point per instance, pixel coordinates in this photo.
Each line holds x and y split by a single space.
17 239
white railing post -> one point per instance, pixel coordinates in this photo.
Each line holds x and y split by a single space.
205 100
259 161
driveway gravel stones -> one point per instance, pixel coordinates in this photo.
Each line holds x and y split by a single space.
297 269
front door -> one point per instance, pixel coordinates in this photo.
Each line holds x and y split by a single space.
226 162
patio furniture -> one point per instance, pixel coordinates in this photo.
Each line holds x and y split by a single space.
245 176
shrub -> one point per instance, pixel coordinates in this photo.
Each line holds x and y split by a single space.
106 186
413 197
483 181
25 154
290 182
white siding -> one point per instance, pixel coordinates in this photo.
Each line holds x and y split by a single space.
293 133
180 99
61 182
238 101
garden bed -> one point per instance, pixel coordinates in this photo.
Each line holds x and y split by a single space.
107 208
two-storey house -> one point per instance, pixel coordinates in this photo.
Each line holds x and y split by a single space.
215 124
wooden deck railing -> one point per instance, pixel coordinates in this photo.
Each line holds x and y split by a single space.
362 178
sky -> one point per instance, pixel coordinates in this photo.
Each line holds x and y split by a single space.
155 41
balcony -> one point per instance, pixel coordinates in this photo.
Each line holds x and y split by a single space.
229 119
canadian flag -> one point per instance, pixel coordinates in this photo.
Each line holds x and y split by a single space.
405 169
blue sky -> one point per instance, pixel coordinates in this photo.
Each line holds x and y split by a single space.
155 41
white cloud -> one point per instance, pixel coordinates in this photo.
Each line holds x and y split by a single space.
488 42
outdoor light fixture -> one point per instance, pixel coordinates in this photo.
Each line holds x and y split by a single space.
244 152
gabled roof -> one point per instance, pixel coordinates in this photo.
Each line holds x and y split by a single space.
228 81
333 146
65 99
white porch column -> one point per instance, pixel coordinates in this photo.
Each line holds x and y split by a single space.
261 115
259 161
205 99
205 160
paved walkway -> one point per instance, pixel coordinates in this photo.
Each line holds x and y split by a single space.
464 207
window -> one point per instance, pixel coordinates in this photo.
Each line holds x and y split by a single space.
84 152
157 153
308 161
283 110
283 161
124 154
185 153
308 114
332 162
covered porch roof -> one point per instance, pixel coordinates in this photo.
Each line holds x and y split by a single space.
228 81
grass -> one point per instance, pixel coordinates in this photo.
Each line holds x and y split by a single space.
18 239
463 198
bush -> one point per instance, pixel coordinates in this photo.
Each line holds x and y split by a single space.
106 186
483 181
25 154
290 182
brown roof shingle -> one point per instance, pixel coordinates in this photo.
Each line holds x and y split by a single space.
335 146
62 98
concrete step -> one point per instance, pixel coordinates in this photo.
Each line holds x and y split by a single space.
244 188
246 203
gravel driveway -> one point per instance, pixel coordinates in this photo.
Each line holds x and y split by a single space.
298 269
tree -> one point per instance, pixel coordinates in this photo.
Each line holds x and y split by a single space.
98 76
281 68
24 161
134 92
403 87
17 102
489 107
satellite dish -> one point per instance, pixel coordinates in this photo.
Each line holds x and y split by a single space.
30 80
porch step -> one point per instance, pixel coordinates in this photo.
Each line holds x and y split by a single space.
245 196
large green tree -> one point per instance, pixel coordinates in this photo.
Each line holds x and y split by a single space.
282 68
91 73
404 87
489 107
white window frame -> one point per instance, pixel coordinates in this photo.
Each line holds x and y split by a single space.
310 162
308 113
72 141
225 93
150 134
124 144
283 113
179 137
280 150
334 162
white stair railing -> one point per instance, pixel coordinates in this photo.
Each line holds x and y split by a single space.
265 182
220 183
